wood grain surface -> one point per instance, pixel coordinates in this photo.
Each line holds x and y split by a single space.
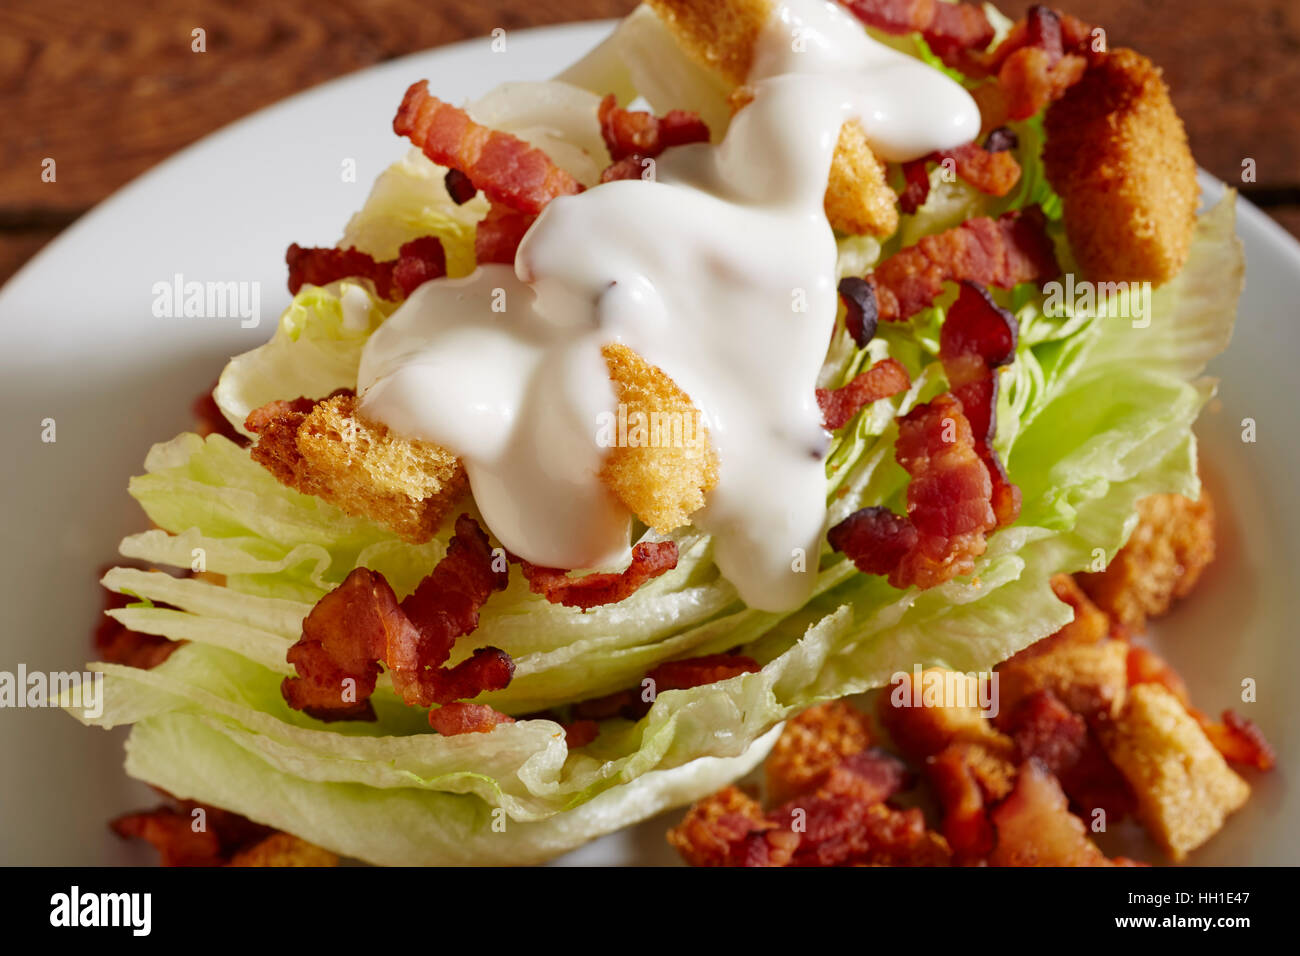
110 89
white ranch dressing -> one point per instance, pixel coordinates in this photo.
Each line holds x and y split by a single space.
721 272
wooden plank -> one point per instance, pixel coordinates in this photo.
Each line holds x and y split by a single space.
108 90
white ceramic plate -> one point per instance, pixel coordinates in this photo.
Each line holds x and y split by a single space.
81 346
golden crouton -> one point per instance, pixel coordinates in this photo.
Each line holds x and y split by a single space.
859 201
662 479
1183 785
721 35
1163 559
810 747
921 731
1090 679
357 465
327 449
1117 154
284 849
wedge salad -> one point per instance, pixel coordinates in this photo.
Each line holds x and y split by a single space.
772 349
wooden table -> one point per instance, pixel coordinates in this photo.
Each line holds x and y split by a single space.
109 92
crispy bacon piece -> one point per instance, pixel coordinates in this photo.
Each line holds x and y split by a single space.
948 498
993 172
183 837
1035 827
459 187
210 421
1005 252
115 643
949 504
461 718
728 829
649 560
966 825
579 733
1238 739
843 831
343 639
875 539
502 166
1043 56
360 624
697 671
417 262
1044 728
949 28
443 608
638 133
499 233
887 377
978 338
859 297
631 704
629 167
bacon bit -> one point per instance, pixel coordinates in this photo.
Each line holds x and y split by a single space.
117 644
649 560
1035 827
1147 667
1044 728
1005 252
874 538
443 608
461 718
698 671
499 233
871 776
417 262
359 625
948 28
171 831
636 133
948 498
343 638
1043 56
623 703
859 297
842 831
1238 739
459 187
966 823
994 173
504 167
210 420
949 506
977 338
579 733
887 377
1001 139
630 167
917 189
672 675
725 829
